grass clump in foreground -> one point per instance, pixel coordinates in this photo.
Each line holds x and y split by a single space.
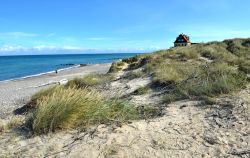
67 108
90 80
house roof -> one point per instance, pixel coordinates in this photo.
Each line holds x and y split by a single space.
182 38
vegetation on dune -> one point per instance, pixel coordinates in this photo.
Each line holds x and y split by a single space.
207 81
202 71
185 74
13 123
90 80
116 66
67 108
134 74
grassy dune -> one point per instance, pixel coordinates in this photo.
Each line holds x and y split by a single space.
202 71
199 71
65 108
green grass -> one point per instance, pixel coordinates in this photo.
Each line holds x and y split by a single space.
179 71
186 76
90 80
209 81
68 108
171 71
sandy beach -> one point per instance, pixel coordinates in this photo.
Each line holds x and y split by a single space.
15 93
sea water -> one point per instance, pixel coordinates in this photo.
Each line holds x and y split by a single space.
14 67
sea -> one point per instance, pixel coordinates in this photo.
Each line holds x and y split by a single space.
23 66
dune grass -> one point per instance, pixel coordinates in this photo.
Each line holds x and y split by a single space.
209 81
116 66
181 71
134 74
90 80
13 123
68 108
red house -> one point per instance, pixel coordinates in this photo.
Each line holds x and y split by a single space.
182 40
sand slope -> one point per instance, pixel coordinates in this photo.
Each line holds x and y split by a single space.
186 129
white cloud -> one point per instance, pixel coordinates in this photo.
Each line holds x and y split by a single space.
9 48
50 49
17 34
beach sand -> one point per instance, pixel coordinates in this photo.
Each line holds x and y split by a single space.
184 128
15 93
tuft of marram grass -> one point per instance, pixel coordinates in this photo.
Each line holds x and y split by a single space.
90 80
209 81
67 108
14 122
11 124
171 71
116 66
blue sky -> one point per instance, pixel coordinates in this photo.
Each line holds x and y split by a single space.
47 26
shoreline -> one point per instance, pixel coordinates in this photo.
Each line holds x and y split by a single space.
16 92
44 73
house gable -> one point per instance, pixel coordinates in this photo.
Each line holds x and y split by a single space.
182 40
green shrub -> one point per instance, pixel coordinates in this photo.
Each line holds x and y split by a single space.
67 108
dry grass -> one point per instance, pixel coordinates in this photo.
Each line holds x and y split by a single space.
13 123
67 108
